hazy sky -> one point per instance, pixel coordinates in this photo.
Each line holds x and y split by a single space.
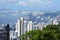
38 5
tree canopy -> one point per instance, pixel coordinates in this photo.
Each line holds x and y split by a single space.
51 32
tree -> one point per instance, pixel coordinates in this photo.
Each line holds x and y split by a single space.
51 32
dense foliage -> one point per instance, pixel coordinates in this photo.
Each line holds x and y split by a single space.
51 32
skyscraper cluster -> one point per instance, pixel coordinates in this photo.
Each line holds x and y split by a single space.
22 26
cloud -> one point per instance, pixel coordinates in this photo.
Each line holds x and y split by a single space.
2 0
12 0
38 13
39 2
53 11
29 2
34 2
2 15
25 12
9 1
22 3
15 14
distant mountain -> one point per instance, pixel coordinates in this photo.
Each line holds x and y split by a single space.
11 16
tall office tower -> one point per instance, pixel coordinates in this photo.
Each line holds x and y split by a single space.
34 27
16 27
30 26
20 27
55 22
39 26
58 19
25 27
8 31
51 21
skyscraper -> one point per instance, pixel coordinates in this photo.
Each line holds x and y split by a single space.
8 31
4 32
25 26
30 26
55 22
51 21
20 27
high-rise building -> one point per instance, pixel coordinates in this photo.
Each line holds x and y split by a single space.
39 26
55 22
25 27
58 19
30 26
20 27
4 32
8 31
51 21
13 35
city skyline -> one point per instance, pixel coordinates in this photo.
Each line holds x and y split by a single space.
22 26
29 19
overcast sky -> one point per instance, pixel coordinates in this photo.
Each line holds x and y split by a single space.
38 5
